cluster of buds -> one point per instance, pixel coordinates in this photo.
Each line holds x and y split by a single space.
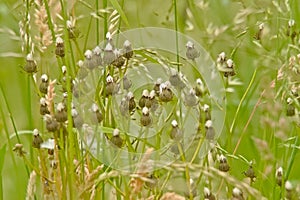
226 66
92 58
148 100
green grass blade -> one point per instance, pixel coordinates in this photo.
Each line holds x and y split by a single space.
2 156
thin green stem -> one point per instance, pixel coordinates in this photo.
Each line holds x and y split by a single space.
176 29
97 23
242 101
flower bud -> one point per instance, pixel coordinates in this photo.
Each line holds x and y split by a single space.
191 52
37 139
250 173
30 66
111 86
116 139
156 87
145 118
60 49
165 94
97 115
126 83
210 132
119 59
144 98
43 107
108 55
279 176
131 103
290 110
223 165
191 99
237 194
176 132
61 113
127 49
77 119
51 123
44 84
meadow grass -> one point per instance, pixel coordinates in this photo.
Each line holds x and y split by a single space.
89 144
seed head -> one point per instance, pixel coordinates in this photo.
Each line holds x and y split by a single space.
97 50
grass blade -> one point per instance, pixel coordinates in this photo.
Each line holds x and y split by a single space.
117 6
